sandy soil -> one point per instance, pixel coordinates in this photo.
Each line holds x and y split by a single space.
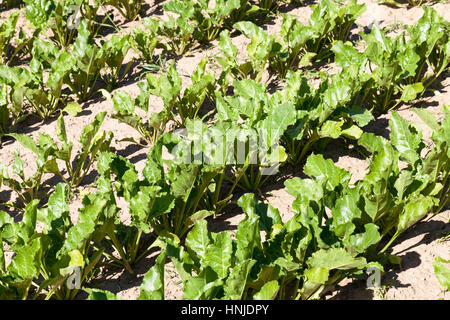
417 247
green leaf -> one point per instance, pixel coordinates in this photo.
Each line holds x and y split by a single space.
86 223
237 281
442 272
183 182
152 287
405 178
123 103
345 211
199 215
25 264
26 141
2 256
90 131
428 118
411 91
335 258
265 275
61 130
349 58
307 59
73 108
319 168
203 286
414 210
317 274
360 242
331 129
249 29
361 116
226 45
76 258
372 142
310 190
268 292
405 137
219 254
353 132
276 123
97 294
268 216
198 240
446 108
248 236
167 86
28 228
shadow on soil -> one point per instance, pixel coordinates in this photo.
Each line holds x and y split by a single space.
357 289
116 279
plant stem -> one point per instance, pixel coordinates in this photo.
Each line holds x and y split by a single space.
121 252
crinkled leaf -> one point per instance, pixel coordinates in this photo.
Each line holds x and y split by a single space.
219 254
414 210
268 292
310 190
362 241
73 108
152 287
198 240
335 258
237 281
97 294
405 137
324 169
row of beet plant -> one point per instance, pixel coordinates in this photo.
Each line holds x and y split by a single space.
338 230
67 58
